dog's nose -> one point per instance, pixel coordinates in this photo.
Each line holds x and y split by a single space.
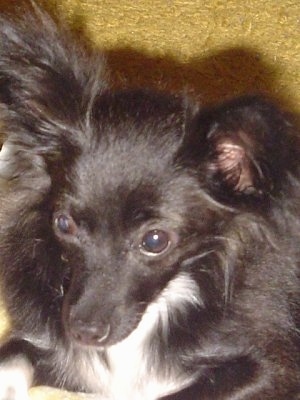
89 334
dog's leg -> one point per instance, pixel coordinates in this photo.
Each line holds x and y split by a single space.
16 369
15 378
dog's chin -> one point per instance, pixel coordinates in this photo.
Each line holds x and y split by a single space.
82 342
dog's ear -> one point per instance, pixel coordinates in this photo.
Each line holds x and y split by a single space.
46 85
240 150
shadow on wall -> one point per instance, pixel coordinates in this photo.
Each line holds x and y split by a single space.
222 75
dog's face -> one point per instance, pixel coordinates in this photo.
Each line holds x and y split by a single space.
128 215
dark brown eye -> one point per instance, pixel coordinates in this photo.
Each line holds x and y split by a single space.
65 224
155 242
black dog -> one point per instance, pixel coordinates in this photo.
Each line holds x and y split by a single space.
148 249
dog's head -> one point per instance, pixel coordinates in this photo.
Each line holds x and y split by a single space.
128 192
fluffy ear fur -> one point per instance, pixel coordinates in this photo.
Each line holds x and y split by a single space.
241 149
46 86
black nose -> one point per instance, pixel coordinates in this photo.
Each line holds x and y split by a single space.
89 334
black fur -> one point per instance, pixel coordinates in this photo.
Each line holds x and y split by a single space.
88 172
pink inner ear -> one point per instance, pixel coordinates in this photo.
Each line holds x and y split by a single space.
235 166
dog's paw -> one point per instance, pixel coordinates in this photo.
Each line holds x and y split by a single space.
15 379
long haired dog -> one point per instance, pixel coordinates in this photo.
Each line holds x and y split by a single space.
148 249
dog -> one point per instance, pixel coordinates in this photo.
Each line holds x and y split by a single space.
149 248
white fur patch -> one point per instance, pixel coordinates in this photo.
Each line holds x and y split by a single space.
130 376
15 379
6 154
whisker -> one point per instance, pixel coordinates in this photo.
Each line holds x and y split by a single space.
197 257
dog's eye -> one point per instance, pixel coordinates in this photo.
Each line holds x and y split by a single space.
155 242
65 224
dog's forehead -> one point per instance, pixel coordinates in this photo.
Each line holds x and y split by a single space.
129 148
129 166
129 156
124 178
